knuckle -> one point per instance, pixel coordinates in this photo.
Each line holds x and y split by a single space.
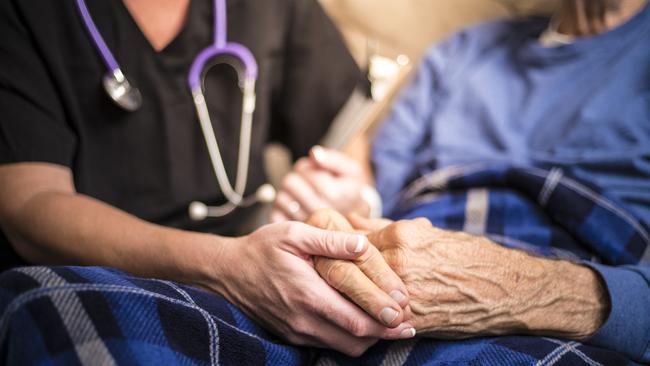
396 231
402 231
396 261
290 181
338 273
293 232
330 242
369 257
384 278
301 164
357 327
320 218
301 327
327 310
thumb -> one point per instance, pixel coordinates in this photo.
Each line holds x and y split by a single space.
332 244
329 219
365 224
334 161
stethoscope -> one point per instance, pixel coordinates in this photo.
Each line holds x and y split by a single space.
125 95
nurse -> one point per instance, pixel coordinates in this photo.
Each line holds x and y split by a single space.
86 182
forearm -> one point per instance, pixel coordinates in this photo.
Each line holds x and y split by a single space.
571 303
68 228
557 300
462 285
597 304
529 295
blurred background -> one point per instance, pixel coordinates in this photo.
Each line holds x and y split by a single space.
410 26
384 30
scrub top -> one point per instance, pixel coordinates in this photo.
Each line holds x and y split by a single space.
153 162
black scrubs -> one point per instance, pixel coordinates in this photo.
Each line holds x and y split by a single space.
153 162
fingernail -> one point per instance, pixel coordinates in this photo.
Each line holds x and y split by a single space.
319 153
397 295
388 315
407 333
355 244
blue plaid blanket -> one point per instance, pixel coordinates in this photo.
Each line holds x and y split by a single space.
88 315
540 211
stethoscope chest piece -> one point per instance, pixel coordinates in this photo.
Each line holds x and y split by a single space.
128 97
119 89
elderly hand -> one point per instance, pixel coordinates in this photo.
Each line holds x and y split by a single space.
325 179
270 276
462 285
367 279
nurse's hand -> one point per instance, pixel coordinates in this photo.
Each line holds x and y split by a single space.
270 275
325 179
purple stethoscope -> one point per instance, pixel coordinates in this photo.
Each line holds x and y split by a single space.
128 97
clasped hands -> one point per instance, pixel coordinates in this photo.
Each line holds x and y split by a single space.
302 281
459 285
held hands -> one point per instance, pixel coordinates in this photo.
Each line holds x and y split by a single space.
270 276
461 285
444 284
325 179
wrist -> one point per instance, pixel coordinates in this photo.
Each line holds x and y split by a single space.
213 263
575 302
587 299
202 261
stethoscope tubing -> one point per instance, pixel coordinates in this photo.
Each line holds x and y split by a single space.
247 80
98 40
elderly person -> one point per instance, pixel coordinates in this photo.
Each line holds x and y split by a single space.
529 134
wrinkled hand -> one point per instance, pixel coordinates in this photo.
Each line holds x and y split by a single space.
367 279
325 179
270 276
462 285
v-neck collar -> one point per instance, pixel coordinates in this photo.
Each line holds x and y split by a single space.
197 10
140 33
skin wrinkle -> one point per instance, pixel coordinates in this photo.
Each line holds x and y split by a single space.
461 285
487 279
370 268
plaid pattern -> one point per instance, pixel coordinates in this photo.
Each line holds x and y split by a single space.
97 316
544 212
